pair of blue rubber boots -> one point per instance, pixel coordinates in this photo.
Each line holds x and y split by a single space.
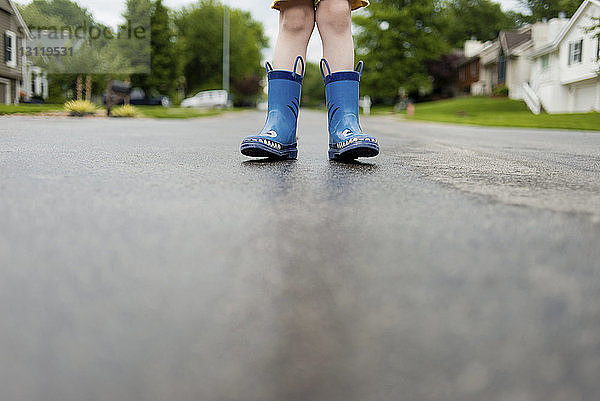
278 137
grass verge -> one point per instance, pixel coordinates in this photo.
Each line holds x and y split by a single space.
175 112
500 112
29 108
144 111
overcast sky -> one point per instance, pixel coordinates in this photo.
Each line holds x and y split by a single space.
109 13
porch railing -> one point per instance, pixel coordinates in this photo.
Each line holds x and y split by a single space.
531 99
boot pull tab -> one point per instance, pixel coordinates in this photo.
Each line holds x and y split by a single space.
359 68
268 67
301 60
326 64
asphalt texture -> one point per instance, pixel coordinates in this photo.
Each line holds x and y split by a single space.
150 260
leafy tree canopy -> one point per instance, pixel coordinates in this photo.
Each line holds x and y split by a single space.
164 62
548 9
200 45
55 13
313 90
396 39
135 47
481 19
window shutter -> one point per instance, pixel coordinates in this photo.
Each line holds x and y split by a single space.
580 51
570 52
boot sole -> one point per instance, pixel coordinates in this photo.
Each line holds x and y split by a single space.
257 149
354 151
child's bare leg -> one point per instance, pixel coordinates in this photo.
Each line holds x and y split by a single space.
296 23
277 139
335 26
347 141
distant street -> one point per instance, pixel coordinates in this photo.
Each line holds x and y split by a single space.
149 260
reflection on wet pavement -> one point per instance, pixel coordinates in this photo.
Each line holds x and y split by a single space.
142 264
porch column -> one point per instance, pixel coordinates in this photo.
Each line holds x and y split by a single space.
27 83
44 86
38 84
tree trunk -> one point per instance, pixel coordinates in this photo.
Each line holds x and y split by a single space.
88 88
79 87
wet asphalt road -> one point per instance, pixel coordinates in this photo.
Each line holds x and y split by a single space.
149 260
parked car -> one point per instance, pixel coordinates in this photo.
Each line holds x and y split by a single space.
139 98
213 98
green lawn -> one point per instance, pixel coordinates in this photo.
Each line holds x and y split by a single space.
144 111
501 112
29 108
175 112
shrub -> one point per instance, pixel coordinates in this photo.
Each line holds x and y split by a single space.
80 108
500 91
124 111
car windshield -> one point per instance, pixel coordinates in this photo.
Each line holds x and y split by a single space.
137 94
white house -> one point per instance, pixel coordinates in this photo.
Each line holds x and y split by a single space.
564 75
488 67
502 62
507 61
552 65
19 78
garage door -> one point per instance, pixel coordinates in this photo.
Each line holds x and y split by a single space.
585 98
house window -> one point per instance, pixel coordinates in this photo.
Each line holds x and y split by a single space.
545 61
462 73
473 69
575 52
10 48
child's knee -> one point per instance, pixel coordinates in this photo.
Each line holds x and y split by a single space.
334 16
297 19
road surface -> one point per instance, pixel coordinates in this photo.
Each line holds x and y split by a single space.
149 260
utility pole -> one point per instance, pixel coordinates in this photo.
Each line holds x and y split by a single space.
226 48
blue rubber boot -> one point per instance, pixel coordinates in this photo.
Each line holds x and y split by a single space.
278 137
346 138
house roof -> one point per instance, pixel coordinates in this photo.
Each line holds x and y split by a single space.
556 42
512 39
465 60
17 14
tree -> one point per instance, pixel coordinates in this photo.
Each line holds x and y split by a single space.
569 6
547 9
396 39
134 43
164 68
313 90
594 29
443 73
481 19
200 45
541 9
88 56
55 13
